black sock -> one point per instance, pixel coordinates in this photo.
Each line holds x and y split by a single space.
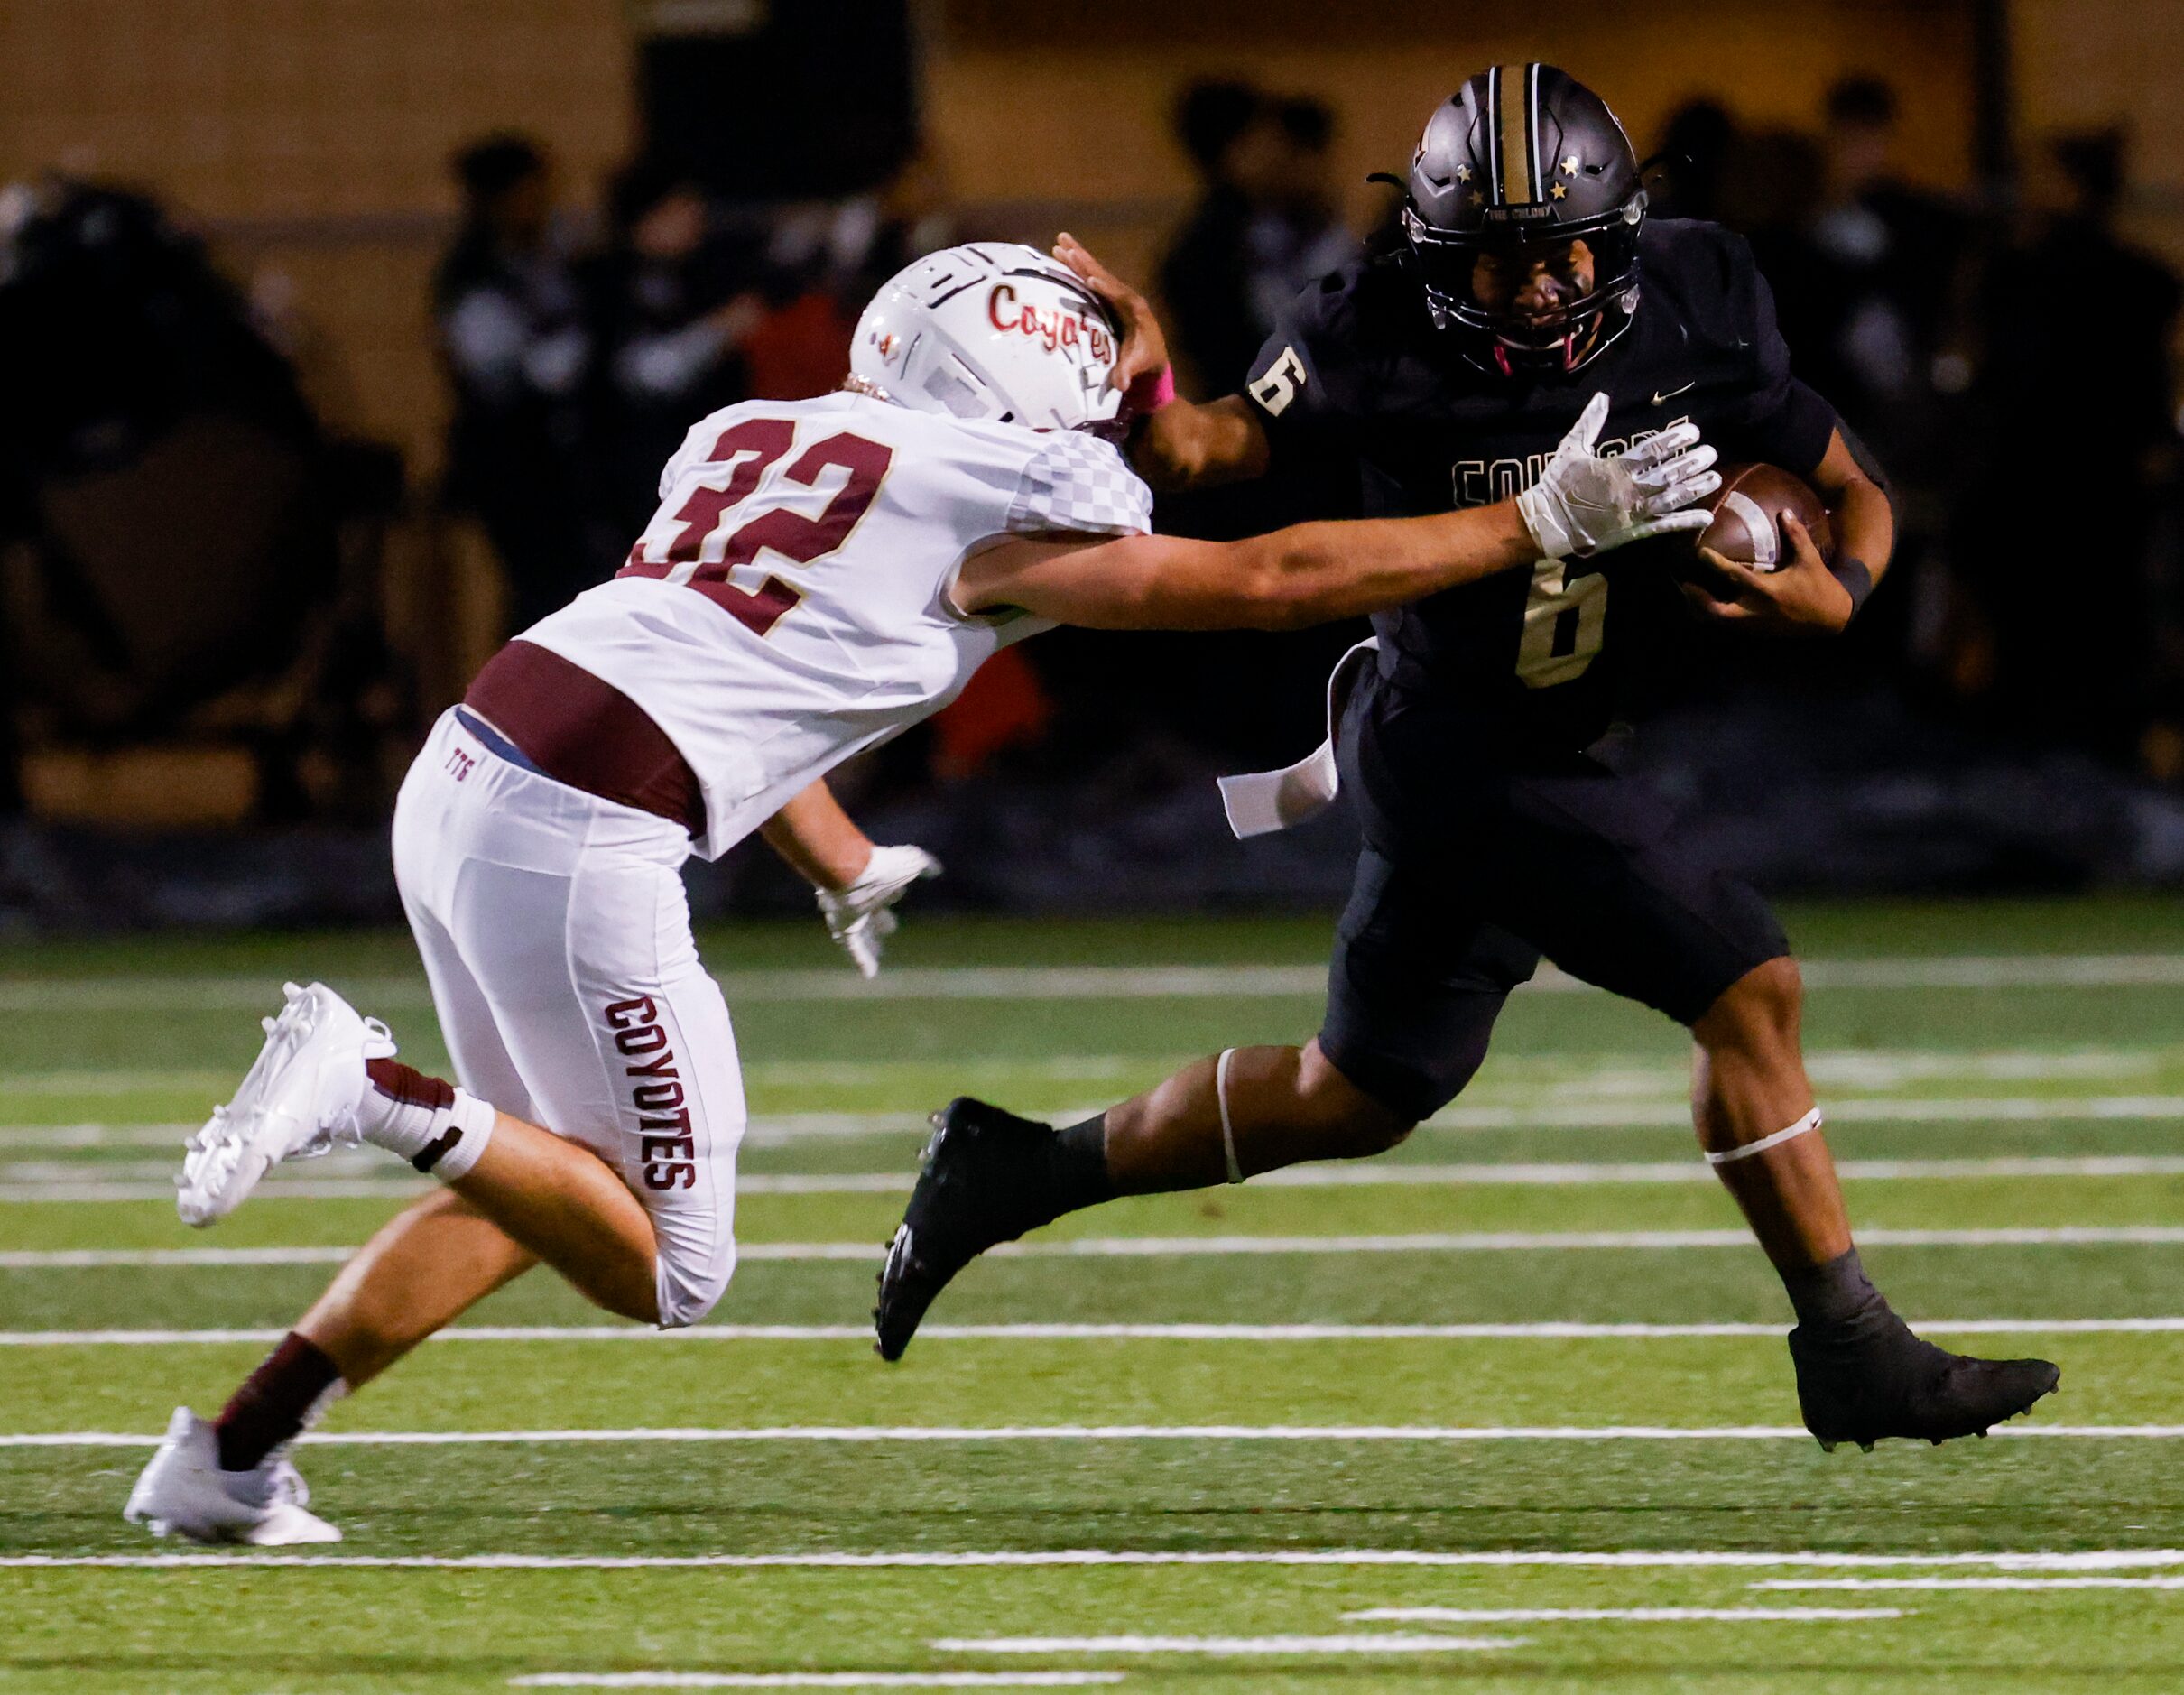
274 1401
1077 1166
1834 1297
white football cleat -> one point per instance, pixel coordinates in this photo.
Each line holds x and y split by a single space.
300 1099
183 1492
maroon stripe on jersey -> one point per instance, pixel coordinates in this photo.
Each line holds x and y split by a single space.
585 733
408 1085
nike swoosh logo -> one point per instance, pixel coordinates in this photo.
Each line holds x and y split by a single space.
1659 397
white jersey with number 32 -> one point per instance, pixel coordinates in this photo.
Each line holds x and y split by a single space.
790 603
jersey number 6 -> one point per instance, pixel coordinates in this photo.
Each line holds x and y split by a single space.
1565 622
749 450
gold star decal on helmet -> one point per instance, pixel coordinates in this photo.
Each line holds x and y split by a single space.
1478 199
1569 166
1558 192
1463 173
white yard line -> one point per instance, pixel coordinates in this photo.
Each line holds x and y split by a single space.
1552 1330
863 1433
1621 1614
786 1129
245 993
1204 1246
2058 1582
1619 1114
2089 1561
1225 1647
336 1189
798 1129
1262 1333
1604 1172
1546 1331
90 1258
814 1680
1385 1176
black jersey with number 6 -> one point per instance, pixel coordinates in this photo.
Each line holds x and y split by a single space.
1544 660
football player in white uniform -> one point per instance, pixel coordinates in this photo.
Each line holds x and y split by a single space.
820 575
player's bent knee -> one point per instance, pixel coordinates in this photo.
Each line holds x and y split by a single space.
1761 1007
1353 1123
688 1293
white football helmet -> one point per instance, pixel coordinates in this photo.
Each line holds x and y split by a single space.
991 331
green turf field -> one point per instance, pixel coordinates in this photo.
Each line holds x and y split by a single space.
1508 1409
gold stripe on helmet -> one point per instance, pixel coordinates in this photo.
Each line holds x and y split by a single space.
1513 119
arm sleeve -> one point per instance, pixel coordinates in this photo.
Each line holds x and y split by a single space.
1783 422
1077 482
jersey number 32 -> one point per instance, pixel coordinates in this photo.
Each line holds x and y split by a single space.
703 553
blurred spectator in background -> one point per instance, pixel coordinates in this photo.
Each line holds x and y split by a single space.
671 304
1695 148
172 516
1268 221
825 260
1298 235
2073 397
1204 278
512 331
1887 258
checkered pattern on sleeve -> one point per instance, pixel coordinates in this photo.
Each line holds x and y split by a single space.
1078 482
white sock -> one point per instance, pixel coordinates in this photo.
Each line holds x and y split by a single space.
433 1124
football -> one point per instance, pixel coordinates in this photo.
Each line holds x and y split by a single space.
1748 510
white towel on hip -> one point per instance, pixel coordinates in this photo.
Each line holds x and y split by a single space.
1259 803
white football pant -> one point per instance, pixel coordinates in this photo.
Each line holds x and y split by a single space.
557 937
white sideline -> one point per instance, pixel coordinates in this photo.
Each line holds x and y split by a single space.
861 1433
2106 1559
1551 1329
1621 1614
813 1680
1386 1175
1224 1647
238 993
1197 1247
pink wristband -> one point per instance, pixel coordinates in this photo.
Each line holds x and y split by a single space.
1149 391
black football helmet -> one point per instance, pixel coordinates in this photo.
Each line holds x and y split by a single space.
1522 157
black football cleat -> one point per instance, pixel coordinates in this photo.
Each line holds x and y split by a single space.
987 1181
1882 1381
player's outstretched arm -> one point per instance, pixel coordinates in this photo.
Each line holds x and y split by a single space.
1178 444
1308 574
1311 573
857 883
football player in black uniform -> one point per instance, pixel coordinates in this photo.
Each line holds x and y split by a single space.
1496 829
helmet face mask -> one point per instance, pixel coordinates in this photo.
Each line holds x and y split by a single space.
1454 270
1514 171
993 332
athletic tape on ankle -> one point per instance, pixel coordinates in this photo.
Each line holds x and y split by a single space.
1810 1121
1229 1133
457 1148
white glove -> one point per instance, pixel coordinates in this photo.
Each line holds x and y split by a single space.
859 916
1582 504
